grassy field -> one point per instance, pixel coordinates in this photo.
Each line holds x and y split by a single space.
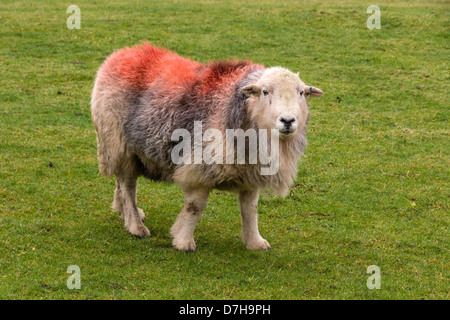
372 189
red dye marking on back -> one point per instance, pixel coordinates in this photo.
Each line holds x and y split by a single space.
143 66
176 72
138 67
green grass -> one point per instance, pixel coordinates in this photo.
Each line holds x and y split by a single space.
373 188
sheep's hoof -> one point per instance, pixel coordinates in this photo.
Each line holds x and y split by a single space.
186 245
139 230
259 244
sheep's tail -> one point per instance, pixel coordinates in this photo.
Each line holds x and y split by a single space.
110 145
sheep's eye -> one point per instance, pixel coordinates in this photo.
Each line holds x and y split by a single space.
302 92
265 92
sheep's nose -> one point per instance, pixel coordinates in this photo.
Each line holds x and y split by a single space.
287 122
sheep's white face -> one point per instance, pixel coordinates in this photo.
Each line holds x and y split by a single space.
278 101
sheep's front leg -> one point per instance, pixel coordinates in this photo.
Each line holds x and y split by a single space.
249 213
183 228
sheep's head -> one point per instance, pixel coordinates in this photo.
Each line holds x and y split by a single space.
278 101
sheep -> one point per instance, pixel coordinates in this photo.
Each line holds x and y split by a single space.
144 93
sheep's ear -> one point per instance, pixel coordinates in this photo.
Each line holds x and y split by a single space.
251 89
312 91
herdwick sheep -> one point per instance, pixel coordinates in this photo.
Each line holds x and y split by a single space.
144 93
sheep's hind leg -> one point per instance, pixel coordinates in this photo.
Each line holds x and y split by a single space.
183 228
249 213
125 199
117 204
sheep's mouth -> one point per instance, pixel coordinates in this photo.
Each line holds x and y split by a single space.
286 133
